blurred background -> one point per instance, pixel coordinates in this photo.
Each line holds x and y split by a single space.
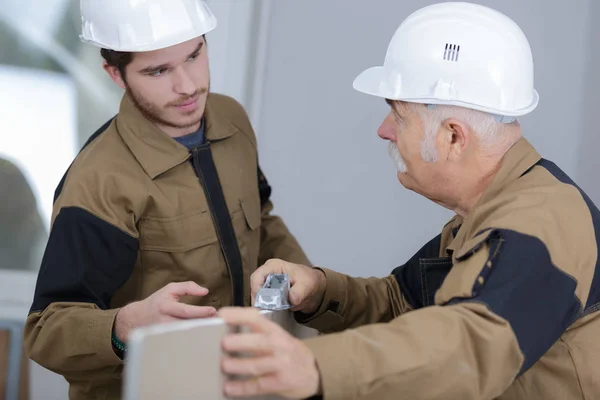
291 64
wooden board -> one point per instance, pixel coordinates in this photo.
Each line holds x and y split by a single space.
182 360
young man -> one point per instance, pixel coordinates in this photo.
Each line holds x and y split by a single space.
164 214
505 302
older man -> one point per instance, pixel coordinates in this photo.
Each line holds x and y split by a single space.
504 303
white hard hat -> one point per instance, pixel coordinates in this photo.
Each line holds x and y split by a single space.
143 25
459 54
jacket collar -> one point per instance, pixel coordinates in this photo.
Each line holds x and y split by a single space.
518 160
156 151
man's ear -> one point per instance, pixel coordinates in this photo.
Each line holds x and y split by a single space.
114 74
456 138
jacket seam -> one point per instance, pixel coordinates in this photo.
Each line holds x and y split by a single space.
248 137
100 218
572 359
590 310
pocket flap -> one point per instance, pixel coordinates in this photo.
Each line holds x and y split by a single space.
472 245
251 207
179 233
471 267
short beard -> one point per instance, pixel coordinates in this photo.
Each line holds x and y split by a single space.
152 112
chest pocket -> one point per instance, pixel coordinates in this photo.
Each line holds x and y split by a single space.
251 208
246 222
180 249
433 272
177 234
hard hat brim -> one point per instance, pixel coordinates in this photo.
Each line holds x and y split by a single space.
372 81
144 25
151 46
369 82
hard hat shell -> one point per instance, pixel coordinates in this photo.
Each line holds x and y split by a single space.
143 25
459 54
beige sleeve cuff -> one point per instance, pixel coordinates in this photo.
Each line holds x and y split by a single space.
328 318
101 332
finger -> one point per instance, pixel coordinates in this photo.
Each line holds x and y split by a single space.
268 384
297 307
255 343
248 317
187 311
163 319
256 281
178 289
299 293
249 366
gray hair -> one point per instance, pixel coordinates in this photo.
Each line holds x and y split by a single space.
486 127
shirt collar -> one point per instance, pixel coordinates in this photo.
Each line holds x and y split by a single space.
518 160
154 150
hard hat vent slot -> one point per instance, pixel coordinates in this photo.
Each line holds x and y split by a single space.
451 52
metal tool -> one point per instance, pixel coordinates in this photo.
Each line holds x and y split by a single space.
274 294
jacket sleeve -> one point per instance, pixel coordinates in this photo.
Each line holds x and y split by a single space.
276 241
353 302
502 306
87 259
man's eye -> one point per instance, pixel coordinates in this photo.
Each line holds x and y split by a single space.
193 58
159 72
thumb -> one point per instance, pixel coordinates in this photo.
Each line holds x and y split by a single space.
257 280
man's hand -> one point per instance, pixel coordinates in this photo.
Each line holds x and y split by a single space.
274 362
307 284
162 306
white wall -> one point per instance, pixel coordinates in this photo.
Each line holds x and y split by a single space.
236 50
333 182
228 48
589 164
